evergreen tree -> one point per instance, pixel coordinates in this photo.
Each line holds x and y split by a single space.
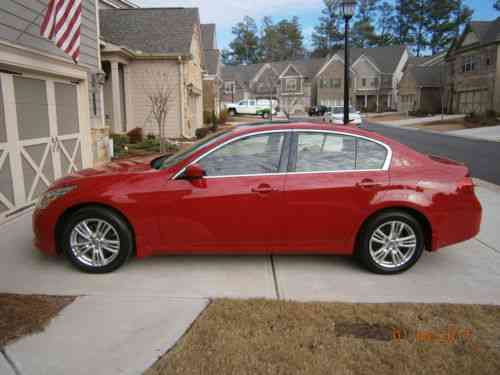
497 5
245 45
281 41
363 31
402 24
385 24
327 36
420 18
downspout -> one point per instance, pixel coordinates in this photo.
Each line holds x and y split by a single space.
181 95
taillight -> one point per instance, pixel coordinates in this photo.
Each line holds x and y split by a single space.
466 185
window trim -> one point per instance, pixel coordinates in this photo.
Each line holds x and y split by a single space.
288 150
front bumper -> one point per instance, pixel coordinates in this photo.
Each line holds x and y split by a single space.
44 230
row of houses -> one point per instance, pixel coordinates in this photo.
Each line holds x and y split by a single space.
464 79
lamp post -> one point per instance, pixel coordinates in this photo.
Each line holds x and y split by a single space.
347 8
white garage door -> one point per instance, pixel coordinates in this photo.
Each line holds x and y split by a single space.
40 138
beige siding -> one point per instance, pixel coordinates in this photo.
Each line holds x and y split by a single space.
145 76
328 95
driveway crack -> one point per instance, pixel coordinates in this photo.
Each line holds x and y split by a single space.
10 362
488 246
275 277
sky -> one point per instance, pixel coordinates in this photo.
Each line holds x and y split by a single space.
226 13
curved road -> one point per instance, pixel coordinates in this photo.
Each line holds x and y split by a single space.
482 157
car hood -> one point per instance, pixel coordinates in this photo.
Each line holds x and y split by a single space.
115 168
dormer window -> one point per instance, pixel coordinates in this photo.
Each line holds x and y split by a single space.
292 84
470 64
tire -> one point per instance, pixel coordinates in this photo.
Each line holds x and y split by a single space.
265 115
232 112
390 255
115 249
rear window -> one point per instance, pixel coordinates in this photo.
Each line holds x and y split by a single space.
370 155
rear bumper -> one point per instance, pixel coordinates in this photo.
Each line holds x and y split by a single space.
458 225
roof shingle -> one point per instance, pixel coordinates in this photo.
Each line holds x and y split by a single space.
150 30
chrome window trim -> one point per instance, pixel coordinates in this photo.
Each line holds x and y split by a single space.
385 167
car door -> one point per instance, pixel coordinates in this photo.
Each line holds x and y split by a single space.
252 107
243 107
237 206
333 179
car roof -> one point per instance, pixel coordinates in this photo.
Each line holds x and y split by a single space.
349 129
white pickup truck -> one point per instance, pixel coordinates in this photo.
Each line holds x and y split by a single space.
251 107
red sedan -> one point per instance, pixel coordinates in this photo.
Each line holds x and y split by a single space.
282 189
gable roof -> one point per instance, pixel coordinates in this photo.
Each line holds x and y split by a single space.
208 36
385 58
150 30
429 76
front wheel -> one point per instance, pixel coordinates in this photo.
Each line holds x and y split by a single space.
391 243
97 240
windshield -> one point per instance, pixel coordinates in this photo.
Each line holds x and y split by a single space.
341 110
184 154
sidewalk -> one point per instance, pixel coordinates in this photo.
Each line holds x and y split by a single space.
491 133
421 120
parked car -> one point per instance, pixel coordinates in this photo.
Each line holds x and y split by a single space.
319 110
287 188
261 107
335 115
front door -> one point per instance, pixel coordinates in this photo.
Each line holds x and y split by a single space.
238 206
334 178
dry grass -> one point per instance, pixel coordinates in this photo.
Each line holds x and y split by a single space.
442 126
383 119
24 315
274 337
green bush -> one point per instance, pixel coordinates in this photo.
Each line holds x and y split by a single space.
119 143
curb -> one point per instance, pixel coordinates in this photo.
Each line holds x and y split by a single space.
487 185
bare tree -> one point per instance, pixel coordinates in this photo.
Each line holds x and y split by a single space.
160 93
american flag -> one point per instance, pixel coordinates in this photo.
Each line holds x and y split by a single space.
61 24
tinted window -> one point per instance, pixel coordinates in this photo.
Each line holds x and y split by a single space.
259 154
325 152
370 155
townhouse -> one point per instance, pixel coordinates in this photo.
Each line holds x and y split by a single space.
147 52
212 82
298 85
473 69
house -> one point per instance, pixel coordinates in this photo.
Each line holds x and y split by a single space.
288 82
147 53
50 107
473 69
212 81
422 87
375 75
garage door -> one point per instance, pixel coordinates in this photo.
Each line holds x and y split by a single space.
40 138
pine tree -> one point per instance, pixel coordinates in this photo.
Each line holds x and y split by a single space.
497 5
281 41
245 46
363 31
385 24
402 24
327 35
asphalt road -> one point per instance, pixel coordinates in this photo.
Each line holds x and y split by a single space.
482 157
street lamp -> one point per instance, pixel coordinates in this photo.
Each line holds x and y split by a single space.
347 8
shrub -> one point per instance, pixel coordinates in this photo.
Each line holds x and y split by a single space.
224 115
119 143
207 117
150 136
135 135
202 132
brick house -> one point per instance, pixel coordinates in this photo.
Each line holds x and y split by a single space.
212 81
147 49
375 75
473 69
50 107
422 86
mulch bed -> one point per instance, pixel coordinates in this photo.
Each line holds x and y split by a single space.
22 315
276 337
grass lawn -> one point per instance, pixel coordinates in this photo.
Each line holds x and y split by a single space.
22 315
275 337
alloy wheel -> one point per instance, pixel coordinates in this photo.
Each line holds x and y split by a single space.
393 244
95 242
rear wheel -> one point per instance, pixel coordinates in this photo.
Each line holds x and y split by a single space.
97 240
232 112
391 243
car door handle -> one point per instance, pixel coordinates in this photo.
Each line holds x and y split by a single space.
367 184
263 189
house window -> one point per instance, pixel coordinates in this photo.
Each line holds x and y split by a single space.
375 82
228 87
471 63
291 84
323 83
363 82
336 83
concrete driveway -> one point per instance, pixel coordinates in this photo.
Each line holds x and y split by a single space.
142 309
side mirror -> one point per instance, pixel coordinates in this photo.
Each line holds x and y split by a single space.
194 172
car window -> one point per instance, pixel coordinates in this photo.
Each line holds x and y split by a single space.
318 152
243 103
327 152
370 155
257 154
251 103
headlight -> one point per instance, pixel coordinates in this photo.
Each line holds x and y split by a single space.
52 195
